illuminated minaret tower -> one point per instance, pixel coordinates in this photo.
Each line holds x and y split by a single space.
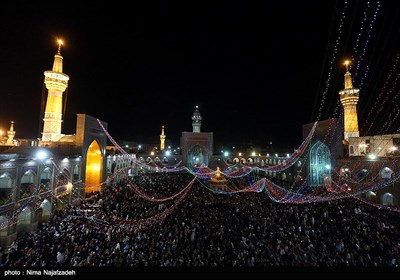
349 100
11 134
56 83
162 139
196 120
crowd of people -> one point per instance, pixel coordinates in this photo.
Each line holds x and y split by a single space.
208 229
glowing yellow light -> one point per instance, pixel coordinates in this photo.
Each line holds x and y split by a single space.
60 43
69 186
347 62
218 173
95 167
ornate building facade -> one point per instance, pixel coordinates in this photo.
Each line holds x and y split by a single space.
36 176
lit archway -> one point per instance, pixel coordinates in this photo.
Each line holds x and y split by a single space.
46 206
27 186
94 166
76 173
25 217
361 174
113 166
197 155
387 199
351 150
6 188
386 173
370 195
320 164
45 179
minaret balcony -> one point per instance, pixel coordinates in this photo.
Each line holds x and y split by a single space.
56 86
349 100
349 92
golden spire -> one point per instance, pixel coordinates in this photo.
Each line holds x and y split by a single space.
162 139
347 62
11 134
60 42
348 83
58 59
12 126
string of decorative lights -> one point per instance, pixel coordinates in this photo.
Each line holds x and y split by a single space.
136 189
141 224
357 44
367 40
335 51
369 123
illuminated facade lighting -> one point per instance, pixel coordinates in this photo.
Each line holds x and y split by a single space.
349 100
56 83
162 139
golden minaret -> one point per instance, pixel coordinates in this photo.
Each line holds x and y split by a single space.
56 83
162 139
11 134
349 100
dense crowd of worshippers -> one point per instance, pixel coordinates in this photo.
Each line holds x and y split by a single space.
210 229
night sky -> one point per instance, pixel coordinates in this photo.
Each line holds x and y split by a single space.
258 70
